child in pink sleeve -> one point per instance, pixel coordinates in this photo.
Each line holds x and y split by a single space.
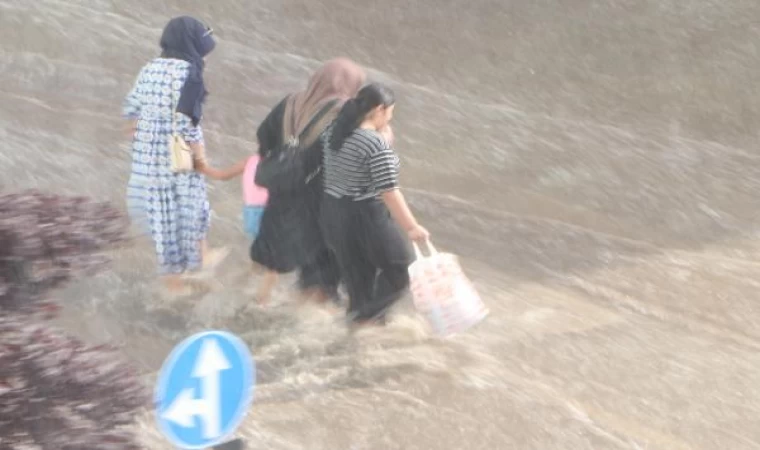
254 202
254 197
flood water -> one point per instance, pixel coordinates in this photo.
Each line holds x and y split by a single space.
593 162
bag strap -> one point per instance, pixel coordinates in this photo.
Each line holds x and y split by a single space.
314 120
418 252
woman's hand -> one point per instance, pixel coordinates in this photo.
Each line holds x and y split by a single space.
387 133
131 129
418 233
225 174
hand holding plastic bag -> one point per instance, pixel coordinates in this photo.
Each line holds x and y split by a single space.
443 294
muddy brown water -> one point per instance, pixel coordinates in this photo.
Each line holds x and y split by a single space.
593 163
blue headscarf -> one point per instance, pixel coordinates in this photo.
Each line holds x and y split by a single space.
188 39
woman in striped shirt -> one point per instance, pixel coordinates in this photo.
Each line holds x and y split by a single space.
363 209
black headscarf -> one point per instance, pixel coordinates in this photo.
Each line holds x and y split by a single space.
188 39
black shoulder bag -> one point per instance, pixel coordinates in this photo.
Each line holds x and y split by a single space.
285 168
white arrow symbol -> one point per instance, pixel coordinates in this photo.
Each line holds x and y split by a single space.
210 362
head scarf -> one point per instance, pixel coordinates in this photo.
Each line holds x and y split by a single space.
337 80
188 39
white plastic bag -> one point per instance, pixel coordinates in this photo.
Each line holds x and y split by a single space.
443 294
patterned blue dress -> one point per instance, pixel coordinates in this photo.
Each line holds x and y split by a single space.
172 207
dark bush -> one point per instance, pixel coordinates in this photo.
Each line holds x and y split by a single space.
55 391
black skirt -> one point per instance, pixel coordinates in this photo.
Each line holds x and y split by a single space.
372 253
289 236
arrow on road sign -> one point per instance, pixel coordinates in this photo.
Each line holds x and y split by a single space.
185 407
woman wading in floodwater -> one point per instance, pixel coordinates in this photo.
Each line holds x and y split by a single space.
290 238
363 207
173 207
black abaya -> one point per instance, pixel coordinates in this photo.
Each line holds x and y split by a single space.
290 238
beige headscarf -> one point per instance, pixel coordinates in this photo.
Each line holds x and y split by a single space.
338 79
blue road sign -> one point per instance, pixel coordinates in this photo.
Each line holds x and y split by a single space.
204 389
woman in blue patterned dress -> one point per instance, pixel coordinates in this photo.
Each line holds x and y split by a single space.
173 207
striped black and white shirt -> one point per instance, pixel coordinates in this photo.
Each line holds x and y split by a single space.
363 168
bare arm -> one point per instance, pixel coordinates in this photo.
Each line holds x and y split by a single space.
400 211
225 174
396 204
202 165
384 171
